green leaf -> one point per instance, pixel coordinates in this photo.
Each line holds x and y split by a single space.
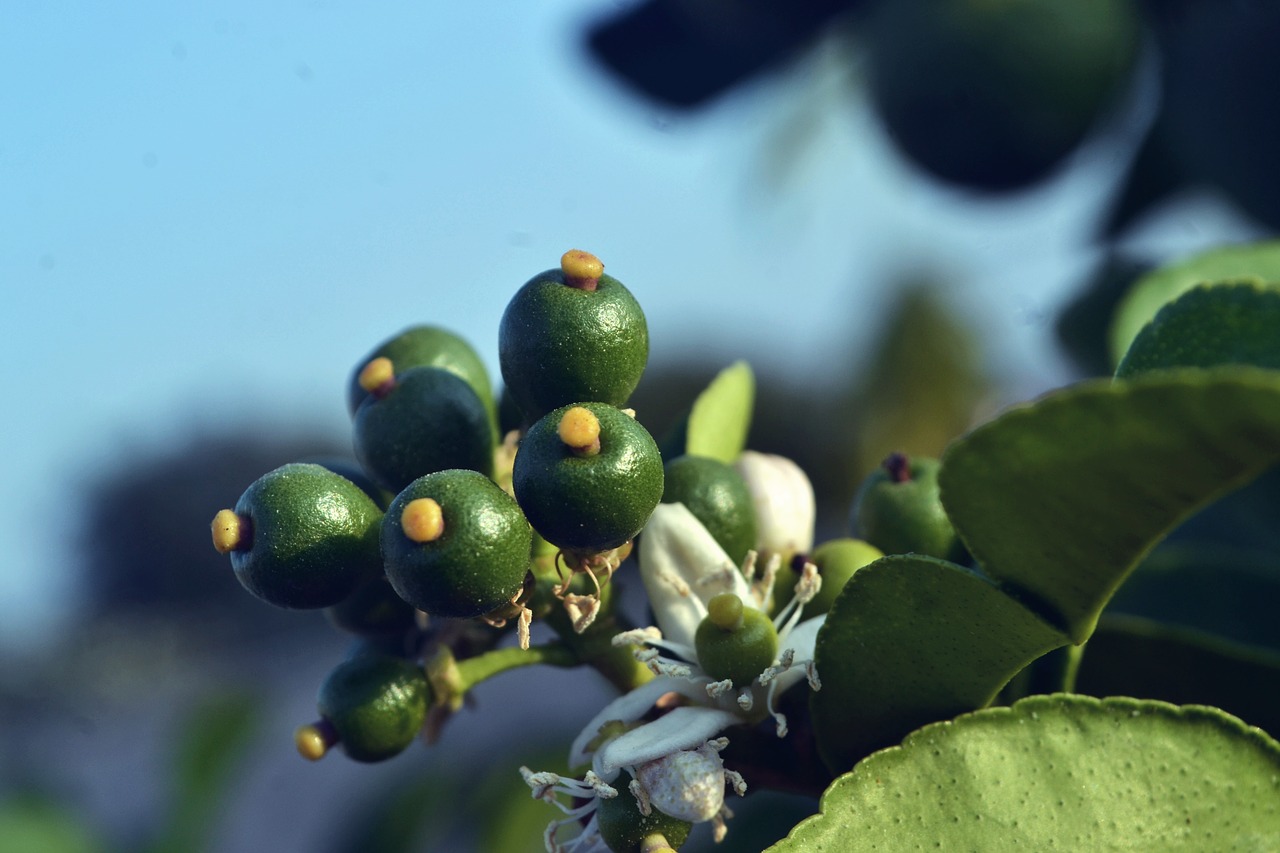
1139 657
1057 500
1060 772
721 415
32 822
1256 261
911 640
1207 326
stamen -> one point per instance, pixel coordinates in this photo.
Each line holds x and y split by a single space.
746 700
716 689
642 797
735 781
637 637
522 627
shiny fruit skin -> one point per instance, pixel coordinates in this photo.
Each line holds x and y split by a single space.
837 561
430 421
314 537
376 703
425 346
589 504
480 561
718 496
559 344
739 655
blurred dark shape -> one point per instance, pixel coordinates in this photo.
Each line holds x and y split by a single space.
1083 326
920 385
1218 124
995 96
684 54
145 543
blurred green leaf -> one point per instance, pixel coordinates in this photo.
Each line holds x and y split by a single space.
1061 772
32 823
213 742
1131 656
911 640
1255 261
1059 499
1207 326
721 416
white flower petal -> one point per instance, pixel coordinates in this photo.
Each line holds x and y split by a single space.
682 567
784 502
686 727
688 784
630 707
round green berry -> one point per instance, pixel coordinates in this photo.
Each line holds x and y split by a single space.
588 477
373 609
301 537
898 510
454 544
376 704
572 334
718 496
837 561
734 641
624 828
426 346
422 420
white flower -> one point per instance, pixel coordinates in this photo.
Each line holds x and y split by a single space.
784 503
674 759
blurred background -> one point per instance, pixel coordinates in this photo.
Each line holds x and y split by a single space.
212 211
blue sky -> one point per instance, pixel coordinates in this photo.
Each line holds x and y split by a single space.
211 210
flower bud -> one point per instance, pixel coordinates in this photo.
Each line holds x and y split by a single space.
784 503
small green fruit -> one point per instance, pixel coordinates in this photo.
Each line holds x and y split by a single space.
301 537
372 610
624 829
454 544
423 420
898 510
718 496
572 334
582 494
837 560
426 346
376 704
734 641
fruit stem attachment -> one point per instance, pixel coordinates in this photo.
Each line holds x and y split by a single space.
378 377
898 465
315 740
579 428
422 520
581 269
231 532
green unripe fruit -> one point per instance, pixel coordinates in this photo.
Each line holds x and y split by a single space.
424 420
373 609
301 537
454 544
994 95
568 335
624 829
593 496
837 560
718 496
426 346
734 641
898 510
376 704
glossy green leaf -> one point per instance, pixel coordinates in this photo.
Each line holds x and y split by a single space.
1257 261
1207 326
1057 500
721 416
1059 773
911 640
1132 656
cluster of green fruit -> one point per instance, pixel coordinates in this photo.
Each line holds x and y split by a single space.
443 520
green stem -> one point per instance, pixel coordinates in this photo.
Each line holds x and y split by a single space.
472 671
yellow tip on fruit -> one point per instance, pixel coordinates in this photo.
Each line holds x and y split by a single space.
580 429
656 843
231 532
422 520
725 611
581 269
377 376
314 740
